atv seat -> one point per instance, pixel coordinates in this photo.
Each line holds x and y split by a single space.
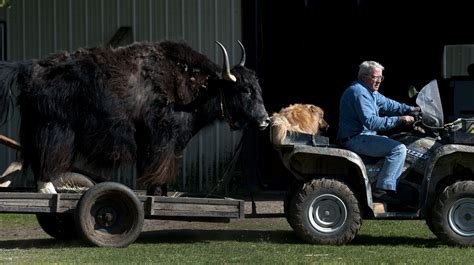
369 160
307 139
298 138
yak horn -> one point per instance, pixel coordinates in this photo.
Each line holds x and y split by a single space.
226 68
244 56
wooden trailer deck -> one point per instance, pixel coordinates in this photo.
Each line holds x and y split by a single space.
155 207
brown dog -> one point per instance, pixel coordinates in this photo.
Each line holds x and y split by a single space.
304 118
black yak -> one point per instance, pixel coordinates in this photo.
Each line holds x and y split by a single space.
136 104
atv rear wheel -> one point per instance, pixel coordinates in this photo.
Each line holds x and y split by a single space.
289 196
429 223
325 211
453 214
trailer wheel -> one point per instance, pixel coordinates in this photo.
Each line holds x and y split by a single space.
58 225
109 215
61 225
453 214
72 182
326 211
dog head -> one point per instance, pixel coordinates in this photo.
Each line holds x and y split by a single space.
303 118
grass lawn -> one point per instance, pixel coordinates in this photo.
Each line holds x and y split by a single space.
247 241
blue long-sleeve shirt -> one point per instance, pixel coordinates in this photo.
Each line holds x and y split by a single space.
362 111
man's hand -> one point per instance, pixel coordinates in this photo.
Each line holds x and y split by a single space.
415 109
407 119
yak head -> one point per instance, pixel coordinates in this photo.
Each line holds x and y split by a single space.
240 97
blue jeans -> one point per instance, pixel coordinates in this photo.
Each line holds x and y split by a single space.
381 146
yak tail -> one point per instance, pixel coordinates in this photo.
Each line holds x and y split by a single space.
9 72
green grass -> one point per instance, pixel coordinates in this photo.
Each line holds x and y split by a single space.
249 241
17 220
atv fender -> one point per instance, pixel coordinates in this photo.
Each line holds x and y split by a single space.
308 162
443 163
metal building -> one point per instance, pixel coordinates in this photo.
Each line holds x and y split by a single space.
32 29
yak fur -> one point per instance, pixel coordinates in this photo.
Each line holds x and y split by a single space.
302 118
113 106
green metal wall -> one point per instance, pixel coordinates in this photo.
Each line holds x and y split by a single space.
37 28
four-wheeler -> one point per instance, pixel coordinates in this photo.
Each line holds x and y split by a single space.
332 189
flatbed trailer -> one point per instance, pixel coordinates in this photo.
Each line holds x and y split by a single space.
155 207
110 214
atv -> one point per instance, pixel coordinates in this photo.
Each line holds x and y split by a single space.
332 188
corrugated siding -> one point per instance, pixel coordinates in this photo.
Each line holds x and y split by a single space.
37 28
456 59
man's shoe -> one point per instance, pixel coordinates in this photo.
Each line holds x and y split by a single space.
386 196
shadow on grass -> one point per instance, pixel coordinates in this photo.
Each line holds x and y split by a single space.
190 236
368 240
43 243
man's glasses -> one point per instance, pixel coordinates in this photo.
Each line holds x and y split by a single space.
377 78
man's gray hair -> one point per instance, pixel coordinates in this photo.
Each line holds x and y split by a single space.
367 67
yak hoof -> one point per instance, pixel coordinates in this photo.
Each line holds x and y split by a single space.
46 187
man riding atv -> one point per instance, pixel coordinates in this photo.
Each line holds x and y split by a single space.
360 118
332 186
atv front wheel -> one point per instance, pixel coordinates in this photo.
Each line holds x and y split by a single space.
325 211
453 214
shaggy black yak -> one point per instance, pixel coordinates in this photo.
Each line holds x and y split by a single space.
136 104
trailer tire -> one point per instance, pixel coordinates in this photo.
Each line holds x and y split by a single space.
58 225
72 182
326 211
109 215
453 219
62 225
